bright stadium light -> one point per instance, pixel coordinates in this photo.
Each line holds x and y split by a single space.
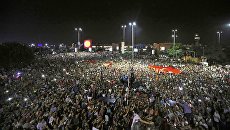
132 24
78 37
174 39
219 36
123 28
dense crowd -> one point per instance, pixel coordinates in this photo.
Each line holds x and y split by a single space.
92 92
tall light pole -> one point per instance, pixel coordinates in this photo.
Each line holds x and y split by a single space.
219 36
78 36
132 38
203 51
123 28
174 40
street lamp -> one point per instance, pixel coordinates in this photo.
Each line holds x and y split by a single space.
78 36
132 38
123 28
174 39
219 36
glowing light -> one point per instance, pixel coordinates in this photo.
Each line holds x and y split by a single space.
219 32
7 91
134 23
87 44
162 48
90 49
9 99
78 29
25 99
111 49
32 45
43 76
64 69
135 50
175 30
39 45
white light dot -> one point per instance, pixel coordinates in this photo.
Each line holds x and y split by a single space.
9 99
25 99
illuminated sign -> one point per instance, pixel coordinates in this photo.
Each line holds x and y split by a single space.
162 48
87 44
40 45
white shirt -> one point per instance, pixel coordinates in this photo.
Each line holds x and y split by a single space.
68 100
51 119
216 117
136 118
95 128
106 118
40 125
26 126
151 99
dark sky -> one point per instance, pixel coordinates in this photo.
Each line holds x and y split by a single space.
54 21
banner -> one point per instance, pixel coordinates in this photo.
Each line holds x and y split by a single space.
162 69
108 64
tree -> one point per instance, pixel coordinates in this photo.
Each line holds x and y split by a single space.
175 50
215 54
13 54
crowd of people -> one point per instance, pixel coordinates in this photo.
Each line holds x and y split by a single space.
107 92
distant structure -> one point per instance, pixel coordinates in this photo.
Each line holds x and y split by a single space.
197 39
162 46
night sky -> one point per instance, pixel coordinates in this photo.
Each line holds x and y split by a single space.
53 21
